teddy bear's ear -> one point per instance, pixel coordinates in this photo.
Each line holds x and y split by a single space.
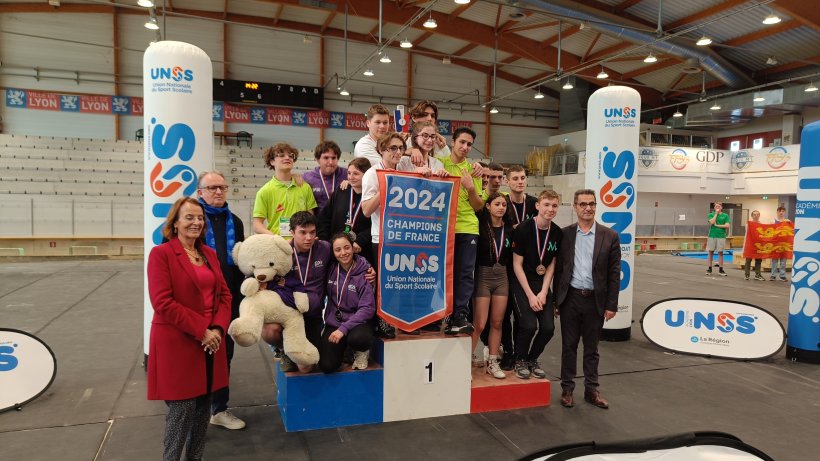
283 245
235 252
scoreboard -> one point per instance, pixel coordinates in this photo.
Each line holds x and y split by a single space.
273 94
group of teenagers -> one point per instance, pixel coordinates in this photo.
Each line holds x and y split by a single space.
514 270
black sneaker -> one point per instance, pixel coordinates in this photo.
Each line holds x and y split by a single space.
507 361
784 279
385 330
434 327
458 325
759 277
720 272
709 270
522 369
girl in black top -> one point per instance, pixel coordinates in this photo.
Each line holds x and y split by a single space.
491 281
343 212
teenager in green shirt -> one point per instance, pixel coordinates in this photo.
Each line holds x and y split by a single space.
718 225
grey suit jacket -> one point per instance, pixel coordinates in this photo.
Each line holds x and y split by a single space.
606 267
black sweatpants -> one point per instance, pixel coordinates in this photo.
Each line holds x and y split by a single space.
533 329
359 339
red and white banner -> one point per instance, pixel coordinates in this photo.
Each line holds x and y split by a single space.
768 241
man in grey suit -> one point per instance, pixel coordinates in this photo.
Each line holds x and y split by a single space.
586 286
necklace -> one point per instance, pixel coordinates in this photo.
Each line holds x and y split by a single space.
193 254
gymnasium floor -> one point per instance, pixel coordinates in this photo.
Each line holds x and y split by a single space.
90 313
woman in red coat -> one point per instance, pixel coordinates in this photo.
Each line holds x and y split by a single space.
192 309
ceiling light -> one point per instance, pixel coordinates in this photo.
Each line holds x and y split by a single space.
462 2
771 19
602 74
368 72
704 41
406 44
344 92
759 98
145 3
650 59
306 39
446 60
540 95
771 60
811 88
430 23
385 59
151 23
568 85
715 106
677 114
493 110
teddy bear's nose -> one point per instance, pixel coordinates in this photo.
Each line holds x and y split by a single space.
261 277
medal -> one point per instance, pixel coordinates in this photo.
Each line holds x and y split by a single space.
340 289
541 269
352 215
523 210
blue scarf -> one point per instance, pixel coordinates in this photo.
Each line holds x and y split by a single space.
230 232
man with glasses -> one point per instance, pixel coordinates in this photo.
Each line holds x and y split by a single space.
281 197
223 231
587 282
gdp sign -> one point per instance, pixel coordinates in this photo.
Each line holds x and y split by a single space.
613 121
416 252
804 300
27 368
178 93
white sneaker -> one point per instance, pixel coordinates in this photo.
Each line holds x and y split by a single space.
227 420
478 362
360 360
486 354
494 369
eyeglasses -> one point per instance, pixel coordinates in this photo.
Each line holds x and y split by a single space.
213 189
284 154
395 149
426 136
586 204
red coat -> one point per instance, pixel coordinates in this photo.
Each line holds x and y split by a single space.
176 359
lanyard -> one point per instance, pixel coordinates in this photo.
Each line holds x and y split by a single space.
324 185
523 210
339 290
352 215
541 250
299 266
500 247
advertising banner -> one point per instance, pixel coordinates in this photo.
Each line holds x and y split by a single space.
613 121
416 252
768 241
713 328
27 368
688 160
177 81
804 299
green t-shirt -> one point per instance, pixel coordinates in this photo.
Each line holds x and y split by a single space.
277 202
718 232
466 220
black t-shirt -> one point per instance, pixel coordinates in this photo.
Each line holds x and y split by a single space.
485 255
516 210
526 245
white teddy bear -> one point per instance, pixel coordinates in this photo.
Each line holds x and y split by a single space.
267 258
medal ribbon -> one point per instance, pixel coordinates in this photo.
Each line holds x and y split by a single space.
340 292
299 266
541 251
324 185
497 249
523 211
352 215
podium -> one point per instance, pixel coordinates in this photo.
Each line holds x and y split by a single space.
410 377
